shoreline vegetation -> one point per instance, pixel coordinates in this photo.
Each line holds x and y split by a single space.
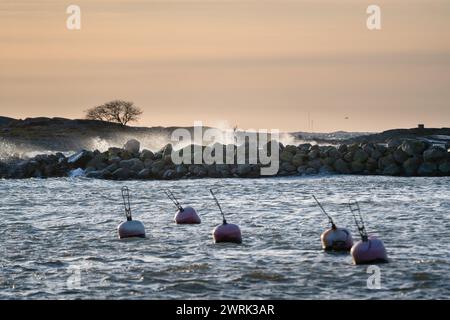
405 154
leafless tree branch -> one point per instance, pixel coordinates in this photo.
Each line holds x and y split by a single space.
118 111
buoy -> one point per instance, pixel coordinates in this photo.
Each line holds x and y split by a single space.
369 249
334 239
130 228
226 232
186 215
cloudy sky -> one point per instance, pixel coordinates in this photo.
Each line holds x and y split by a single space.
254 63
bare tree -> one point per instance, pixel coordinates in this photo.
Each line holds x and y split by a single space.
118 111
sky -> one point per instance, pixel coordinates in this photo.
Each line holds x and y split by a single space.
257 64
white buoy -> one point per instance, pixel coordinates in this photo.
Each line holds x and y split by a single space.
334 239
130 228
369 249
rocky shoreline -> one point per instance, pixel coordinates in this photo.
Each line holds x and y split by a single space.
396 158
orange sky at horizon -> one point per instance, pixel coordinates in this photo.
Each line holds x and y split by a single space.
255 64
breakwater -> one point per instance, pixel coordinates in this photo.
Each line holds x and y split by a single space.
411 157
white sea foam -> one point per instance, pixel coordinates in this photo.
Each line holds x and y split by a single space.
76 173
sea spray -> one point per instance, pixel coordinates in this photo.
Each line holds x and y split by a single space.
152 141
10 150
77 173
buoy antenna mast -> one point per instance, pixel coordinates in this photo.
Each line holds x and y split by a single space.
126 202
218 204
356 212
171 196
323 210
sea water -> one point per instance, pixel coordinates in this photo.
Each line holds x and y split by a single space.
58 239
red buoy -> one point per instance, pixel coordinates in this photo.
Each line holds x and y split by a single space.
184 215
187 215
369 249
226 232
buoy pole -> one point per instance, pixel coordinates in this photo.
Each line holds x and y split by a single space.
359 221
171 196
333 226
126 202
218 204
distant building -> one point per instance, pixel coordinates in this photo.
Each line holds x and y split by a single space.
421 126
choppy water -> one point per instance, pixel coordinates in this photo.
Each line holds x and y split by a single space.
58 239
